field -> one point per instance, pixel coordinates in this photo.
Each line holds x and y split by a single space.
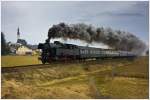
8 61
113 78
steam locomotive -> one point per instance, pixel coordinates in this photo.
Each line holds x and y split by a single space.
59 51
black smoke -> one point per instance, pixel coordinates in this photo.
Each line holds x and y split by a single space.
115 39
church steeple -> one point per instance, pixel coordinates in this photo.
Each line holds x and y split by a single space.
18 34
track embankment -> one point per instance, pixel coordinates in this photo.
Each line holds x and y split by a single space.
24 67
40 66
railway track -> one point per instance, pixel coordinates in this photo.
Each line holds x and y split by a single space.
26 67
39 66
23 67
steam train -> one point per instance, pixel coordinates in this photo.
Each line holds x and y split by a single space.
59 51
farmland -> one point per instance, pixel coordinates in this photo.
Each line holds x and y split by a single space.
113 78
8 61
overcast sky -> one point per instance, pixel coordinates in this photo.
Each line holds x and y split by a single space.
35 18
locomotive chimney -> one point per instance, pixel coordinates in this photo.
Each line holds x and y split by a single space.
47 40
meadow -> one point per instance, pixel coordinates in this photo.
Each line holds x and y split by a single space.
9 61
113 78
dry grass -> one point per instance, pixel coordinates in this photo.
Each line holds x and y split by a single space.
125 88
80 80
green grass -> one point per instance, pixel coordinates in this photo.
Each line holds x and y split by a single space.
8 61
99 79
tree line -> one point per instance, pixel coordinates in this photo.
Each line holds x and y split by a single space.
4 46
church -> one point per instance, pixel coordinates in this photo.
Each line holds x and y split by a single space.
23 48
21 41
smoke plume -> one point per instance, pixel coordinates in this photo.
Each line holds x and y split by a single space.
115 39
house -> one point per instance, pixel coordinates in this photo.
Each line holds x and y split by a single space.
24 50
13 47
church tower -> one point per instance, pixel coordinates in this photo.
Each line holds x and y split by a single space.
19 40
18 34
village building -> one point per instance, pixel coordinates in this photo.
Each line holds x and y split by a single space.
13 47
24 50
21 47
19 40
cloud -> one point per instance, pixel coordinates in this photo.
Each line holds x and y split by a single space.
120 14
37 17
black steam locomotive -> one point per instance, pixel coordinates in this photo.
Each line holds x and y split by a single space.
59 51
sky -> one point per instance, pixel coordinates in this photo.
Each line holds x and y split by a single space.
34 18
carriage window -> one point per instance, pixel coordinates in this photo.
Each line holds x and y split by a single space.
86 51
82 51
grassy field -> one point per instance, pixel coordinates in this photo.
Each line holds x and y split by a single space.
120 78
8 61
